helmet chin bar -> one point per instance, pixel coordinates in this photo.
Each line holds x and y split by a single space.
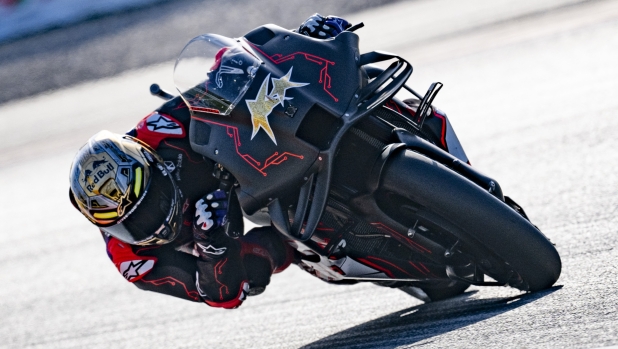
170 228
165 234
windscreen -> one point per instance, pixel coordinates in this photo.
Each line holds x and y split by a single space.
213 73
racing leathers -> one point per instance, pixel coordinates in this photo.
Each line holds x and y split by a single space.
202 264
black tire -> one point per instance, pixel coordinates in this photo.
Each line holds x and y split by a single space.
442 292
473 215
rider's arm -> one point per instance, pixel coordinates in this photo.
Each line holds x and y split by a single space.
230 269
226 271
160 269
221 277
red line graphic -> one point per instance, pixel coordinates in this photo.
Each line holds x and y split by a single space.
389 263
218 271
140 250
181 105
378 267
383 227
170 280
273 160
324 79
322 227
417 268
184 151
424 267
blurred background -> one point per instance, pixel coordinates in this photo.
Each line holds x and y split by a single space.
531 88
48 44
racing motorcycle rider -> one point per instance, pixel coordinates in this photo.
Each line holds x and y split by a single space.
145 190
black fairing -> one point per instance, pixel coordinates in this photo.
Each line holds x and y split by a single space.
302 127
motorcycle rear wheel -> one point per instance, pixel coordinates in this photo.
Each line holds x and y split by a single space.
506 246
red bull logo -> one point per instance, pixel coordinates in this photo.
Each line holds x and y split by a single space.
97 170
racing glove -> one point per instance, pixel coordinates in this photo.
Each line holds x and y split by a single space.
210 213
318 26
221 278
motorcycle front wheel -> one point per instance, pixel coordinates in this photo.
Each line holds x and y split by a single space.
504 244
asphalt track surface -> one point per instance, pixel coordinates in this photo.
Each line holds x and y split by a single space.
531 89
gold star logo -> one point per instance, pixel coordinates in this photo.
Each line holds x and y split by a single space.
263 104
260 108
124 202
282 85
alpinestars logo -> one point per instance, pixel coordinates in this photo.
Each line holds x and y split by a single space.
133 269
203 216
263 104
161 124
210 249
170 166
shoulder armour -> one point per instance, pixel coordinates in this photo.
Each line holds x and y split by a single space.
157 126
131 266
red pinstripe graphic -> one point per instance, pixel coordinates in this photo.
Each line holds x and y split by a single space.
170 280
375 266
232 303
415 244
424 267
206 110
389 263
322 227
427 269
325 78
218 271
141 249
248 248
184 151
418 268
181 105
273 160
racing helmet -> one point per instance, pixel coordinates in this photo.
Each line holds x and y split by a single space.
122 186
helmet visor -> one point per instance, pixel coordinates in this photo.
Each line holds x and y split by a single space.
156 218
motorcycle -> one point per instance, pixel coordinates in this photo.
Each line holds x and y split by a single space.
366 187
